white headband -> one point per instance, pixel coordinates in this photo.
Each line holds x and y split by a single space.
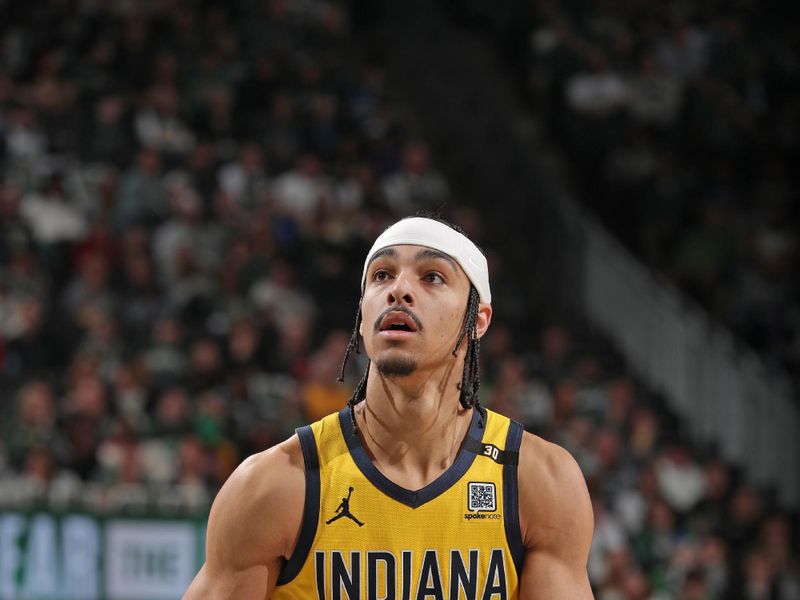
419 231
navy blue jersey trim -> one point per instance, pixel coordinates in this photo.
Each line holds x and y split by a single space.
308 530
414 499
511 498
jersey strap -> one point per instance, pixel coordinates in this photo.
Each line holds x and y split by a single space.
511 495
501 457
308 530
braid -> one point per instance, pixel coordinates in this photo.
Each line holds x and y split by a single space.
467 323
475 367
470 318
471 378
358 395
352 345
360 390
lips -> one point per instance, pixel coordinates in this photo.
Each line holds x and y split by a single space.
397 321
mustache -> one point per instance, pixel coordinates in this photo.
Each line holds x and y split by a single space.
401 309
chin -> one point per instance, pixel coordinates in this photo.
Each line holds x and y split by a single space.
396 365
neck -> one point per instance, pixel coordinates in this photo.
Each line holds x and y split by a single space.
413 426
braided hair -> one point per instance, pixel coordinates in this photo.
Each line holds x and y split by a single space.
470 378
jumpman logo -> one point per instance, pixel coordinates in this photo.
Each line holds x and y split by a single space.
343 510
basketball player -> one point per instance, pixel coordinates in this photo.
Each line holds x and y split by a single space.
413 491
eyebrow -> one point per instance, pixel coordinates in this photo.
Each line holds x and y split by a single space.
431 253
421 255
383 252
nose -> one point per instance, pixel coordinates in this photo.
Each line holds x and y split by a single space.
401 291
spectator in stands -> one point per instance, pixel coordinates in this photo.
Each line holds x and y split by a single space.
52 216
417 186
321 394
32 423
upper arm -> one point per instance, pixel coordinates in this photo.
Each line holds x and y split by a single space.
557 523
246 540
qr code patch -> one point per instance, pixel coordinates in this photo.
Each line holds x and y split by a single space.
482 496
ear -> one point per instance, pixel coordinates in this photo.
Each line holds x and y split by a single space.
484 318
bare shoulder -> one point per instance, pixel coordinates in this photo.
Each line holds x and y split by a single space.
258 512
556 522
254 522
554 500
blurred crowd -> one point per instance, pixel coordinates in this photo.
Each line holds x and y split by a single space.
187 191
672 520
681 121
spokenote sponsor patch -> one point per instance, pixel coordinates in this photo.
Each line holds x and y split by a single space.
481 501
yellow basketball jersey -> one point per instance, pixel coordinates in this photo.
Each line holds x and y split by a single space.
366 538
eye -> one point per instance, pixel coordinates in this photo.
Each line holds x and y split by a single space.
433 277
380 275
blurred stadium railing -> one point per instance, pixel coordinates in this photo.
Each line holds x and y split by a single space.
722 389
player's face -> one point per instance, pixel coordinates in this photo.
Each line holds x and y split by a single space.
413 308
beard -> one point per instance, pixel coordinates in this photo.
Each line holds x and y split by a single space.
397 366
